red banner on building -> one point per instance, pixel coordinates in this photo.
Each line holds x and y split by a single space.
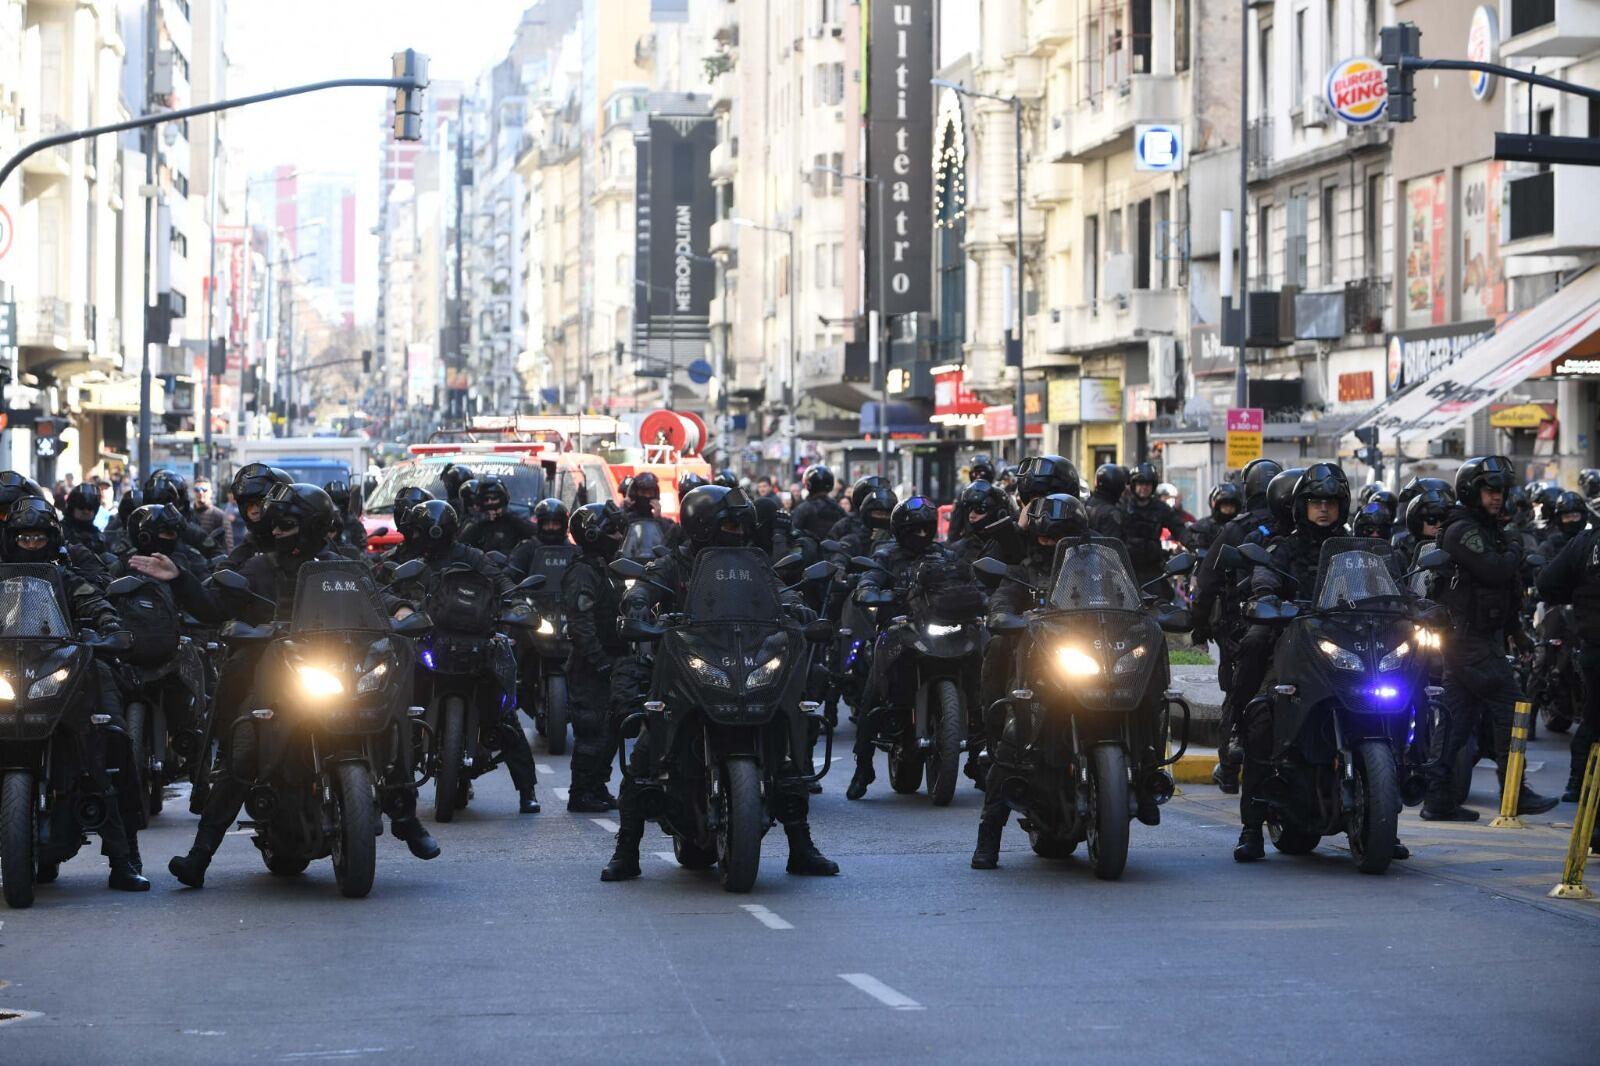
952 400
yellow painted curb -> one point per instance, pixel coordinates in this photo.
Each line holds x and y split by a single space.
1194 769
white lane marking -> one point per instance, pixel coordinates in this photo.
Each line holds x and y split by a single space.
343 1053
545 768
766 917
666 856
204 1032
607 824
239 832
881 992
563 794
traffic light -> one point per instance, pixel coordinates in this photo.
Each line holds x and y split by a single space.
620 352
1369 452
1397 45
366 360
408 102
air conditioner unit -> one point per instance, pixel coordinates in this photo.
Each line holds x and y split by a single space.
1315 113
1163 368
1269 319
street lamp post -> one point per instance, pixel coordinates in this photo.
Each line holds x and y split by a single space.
1013 338
882 348
789 389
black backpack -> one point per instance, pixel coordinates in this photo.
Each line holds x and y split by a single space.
464 600
151 615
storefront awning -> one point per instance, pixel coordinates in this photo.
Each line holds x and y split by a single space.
1521 347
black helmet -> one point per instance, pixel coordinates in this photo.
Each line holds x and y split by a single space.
769 515
644 490
82 497
727 479
1110 481
154 527
15 487
339 493
1387 498
1144 473
1483 472
1258 474
251 483
467 496
981 468
1322 481
1571 513
714 515
915 523
131 501
599 528
31 517
1589 482
688 481
404 500
1427 507
1280 497
164 487
1546 501
550 518
1043 475
1366 494
492 494
877 507
624 486
1008 478
454 476
1417 485
1226 493
1050 518
819 479
864 488
984 507
303 508
432 526
1374 519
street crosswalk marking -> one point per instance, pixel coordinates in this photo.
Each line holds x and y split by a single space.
666 856
545 768
764 916
607 824
563 794
881 992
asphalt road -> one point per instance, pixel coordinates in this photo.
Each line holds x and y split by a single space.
508 949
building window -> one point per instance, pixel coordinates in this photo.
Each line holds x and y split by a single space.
1372 27
1372 226
1294 267
1330 41
1162 233
1180 35
829 90
1297 71
1328 250
1114 232
1263 246
1264 73
1141 245
1091 261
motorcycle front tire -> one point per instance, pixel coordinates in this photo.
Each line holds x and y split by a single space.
739 838
1109 812
17 838
355 840
949 729
452 745
555 714
1374 823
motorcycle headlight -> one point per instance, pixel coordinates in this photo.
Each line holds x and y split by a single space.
766 673
1127 664
6 691
547 628
1076 663
372 680
1393 659
936 630
1339 657
45 687
1427 639
708 674
318 683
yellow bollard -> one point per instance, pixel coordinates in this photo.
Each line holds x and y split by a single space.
1571 886
1516 762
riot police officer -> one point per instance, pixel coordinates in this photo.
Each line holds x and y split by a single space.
452 478
78 513
1105 500
550 522
819 512
1145 518
251 483
496 528
349 533
591 600
1226 499
980 513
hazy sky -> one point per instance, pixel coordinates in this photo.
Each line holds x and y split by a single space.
277 43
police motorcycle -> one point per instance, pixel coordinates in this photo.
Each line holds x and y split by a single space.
1352 704
1091 724
940 666
466 665
323 752
726 709
166 704
543 648
851 652
48 721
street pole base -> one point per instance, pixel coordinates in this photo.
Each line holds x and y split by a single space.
1508 821
1566 891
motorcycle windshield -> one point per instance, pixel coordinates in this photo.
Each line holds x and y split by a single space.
31 604
641 540
1352 571
733 584
1094 575
336 595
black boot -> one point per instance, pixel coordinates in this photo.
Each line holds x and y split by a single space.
589 801
46 872
861 779
191 868
605 795
804 858
1147 810
1444 813
987 854
124 878
134 859
529 802
1573 790
1530 802
416 835
624 864
1401 852
1226 777
1251 845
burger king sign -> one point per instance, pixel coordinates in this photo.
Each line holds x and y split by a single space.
1357 91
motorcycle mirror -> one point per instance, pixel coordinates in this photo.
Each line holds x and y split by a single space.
1007 623
1433 559
1288 612
531 582
1174 620
990 572
497 558
409 571
637 629
832 546
1229 557
1180 564
413 625
381 531
819 632
236 631
519 620
817 571
1255 553
230 581
628 568
124 585
862 562
117 641
1535 561
793 559
660 551
1261 611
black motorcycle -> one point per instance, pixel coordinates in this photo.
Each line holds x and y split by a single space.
1351 705
1090 726
467 678
1553 683
329 745
51 736
726 709
166 675
543 647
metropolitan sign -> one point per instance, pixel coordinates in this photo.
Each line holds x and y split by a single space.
1357 91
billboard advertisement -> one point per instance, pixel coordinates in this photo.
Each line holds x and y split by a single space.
900 152
676 204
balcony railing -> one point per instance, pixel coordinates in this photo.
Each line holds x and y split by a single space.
1260 142
1365 302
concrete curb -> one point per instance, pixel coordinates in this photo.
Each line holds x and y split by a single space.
1195 767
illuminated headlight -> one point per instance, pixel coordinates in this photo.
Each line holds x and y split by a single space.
6 691
708 674
1339 657
936 630
318 683
767 672
547 628
1130 662
370 681
1393 659
1074 663
1427 639
45 687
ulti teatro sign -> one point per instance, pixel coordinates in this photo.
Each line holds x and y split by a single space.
900 148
